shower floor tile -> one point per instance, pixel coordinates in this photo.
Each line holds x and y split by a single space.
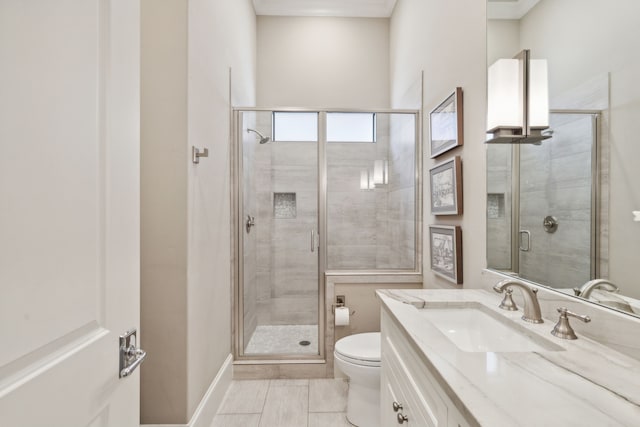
283 339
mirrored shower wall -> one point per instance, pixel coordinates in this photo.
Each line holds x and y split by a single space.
316 191
542 204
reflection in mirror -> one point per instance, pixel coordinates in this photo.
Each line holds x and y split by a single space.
561 213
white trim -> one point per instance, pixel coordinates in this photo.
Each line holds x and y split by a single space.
208 407
348 8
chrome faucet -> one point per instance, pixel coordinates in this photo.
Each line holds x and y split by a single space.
585 290
531 305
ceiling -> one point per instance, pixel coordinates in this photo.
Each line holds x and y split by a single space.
350 8
509 9
497 9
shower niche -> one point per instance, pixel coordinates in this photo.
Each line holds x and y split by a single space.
284 205
298 173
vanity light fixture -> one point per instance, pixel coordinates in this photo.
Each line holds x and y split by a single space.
518 100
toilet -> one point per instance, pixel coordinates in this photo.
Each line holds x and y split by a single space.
358 357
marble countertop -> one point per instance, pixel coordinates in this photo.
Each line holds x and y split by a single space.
585 384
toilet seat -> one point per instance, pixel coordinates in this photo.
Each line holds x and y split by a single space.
359 349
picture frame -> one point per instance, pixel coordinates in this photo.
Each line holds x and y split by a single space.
445 187
445 242
446 124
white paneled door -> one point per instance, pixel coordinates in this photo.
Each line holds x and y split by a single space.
69 210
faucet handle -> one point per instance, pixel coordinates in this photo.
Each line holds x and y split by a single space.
507 302
565 311
563 329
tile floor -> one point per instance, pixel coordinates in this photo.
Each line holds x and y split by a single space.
284 403
283 339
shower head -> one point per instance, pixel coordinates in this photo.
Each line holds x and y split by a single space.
263 139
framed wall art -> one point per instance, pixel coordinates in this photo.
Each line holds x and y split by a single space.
445 184
445 124
445 242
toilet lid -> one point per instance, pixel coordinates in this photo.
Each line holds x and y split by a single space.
360 346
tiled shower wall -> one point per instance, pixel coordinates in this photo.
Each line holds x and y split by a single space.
499 206
556 180
401 203
356 218
373 228
287 270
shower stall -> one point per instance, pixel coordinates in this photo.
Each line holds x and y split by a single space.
316 191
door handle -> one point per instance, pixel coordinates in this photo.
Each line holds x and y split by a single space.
130 355
528 234
313 240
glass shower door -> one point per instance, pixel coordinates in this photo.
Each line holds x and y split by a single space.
279 209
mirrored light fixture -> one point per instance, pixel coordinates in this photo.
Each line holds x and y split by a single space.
364 179
381 172
518 100
372 184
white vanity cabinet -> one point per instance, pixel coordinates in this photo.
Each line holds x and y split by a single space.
410 395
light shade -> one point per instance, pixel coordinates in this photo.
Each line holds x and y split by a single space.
538 94
518 100
504 95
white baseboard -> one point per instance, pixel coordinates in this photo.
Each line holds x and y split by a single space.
208 407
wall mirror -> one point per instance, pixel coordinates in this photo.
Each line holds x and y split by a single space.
566 212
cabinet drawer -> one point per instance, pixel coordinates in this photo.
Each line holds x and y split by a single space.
420 399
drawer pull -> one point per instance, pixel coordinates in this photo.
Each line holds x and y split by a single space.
402 418
397 406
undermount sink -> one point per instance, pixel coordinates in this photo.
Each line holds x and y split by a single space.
473 327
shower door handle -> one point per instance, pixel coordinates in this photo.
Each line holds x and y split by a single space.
528 234
313 240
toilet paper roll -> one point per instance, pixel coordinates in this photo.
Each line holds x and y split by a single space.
342 316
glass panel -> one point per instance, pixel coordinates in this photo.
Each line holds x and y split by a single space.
295 126
351 127
371 199
499 203
555 180
280 272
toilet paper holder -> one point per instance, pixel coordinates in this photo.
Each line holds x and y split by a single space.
341 301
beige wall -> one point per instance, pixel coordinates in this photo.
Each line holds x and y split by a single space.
364 304
163 205
503 39
326 62
447 41
222 35
188 48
